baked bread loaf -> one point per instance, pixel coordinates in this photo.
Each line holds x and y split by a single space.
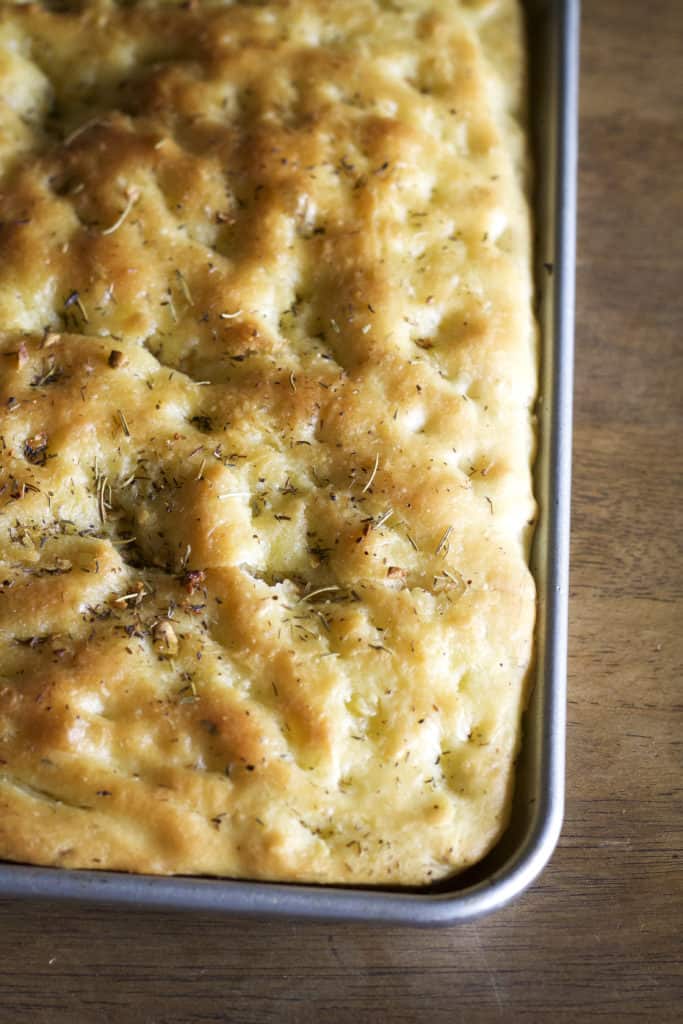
268 364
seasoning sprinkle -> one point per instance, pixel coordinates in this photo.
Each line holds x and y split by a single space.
193 580
74 299
371 479
134 596
443 543
123 422
171 306
188 694
50 374
320 590
132 194
184 286
164 637
383 518
102 486
116 359
35 449
80 129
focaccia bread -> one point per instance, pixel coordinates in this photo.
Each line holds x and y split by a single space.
267 370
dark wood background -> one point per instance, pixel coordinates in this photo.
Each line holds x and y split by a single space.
596 937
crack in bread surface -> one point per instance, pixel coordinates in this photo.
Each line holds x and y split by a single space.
268 366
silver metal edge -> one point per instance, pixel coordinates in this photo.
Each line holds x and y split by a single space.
545 740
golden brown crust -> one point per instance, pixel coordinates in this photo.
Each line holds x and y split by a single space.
267 369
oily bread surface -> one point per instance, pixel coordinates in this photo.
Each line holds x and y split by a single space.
267 369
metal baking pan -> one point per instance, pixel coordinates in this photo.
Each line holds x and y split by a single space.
539 797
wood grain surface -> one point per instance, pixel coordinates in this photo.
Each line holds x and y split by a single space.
598 937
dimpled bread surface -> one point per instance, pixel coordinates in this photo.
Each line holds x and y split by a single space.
267 375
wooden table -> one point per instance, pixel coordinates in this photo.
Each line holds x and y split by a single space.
595 938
